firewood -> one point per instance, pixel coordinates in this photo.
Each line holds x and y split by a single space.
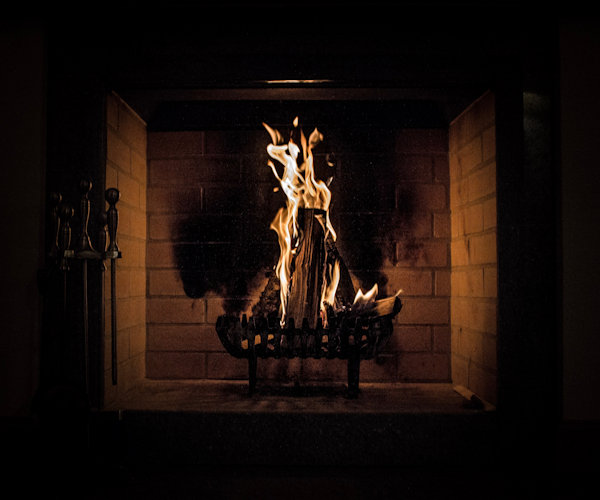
307 276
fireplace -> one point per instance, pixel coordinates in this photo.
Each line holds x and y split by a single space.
413 199
433 163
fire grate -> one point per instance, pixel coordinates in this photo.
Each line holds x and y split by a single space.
352 335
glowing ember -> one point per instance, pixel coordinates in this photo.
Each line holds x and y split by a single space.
302 190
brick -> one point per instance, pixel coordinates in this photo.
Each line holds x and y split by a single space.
471 122
143 197
483 383
470 345
229 142
225 366
322 370
441 225
483 248
137 280
454 170
175 365
132 372
130 191
160 255
137 340
424 311
490 282
177 337
131 311
124 224
459 251
275 369
139 168
191 171
459 193
475 314
489 213
467 282
457 223
413 167
162 227
411 282
426 197
482 182
138 224
123 283
421 141
174 200
175 144
131 251
214 309
111 177
470 155
112 111
381 369
489 143
442 283
474 218
432 253
424 367
460 371
117 151
132 129
410 339
441 168
441 339
176 310
166 282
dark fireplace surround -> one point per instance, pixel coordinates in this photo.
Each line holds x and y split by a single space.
411 126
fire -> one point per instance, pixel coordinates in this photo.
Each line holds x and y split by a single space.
302 190
366 298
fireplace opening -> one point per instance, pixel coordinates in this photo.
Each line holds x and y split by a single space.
413 203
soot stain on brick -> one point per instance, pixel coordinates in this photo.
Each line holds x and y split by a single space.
224 254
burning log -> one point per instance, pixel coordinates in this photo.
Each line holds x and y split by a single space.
307 271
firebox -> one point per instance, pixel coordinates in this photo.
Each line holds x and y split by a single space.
412 203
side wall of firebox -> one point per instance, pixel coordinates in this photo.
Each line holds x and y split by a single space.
474 271
126 170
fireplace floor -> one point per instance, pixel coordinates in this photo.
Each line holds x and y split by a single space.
217 423
231 397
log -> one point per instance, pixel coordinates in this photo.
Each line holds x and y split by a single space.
307 275
378 308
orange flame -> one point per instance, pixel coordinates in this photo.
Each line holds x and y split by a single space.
302 190
363 299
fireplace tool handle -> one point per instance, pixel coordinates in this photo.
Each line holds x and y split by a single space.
112 218
84 252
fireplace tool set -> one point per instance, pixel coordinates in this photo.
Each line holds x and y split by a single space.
63 255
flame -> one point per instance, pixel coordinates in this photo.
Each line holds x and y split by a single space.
332 279
362 299
302 190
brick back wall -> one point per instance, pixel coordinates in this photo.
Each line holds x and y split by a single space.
210 203
474 268
126 170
